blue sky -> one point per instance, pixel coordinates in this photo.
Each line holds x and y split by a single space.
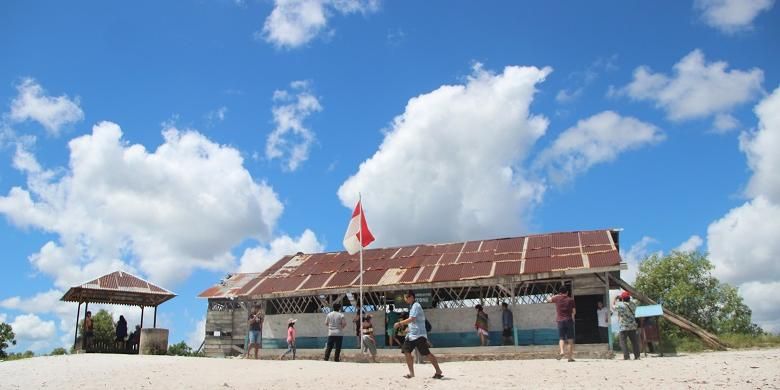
182 141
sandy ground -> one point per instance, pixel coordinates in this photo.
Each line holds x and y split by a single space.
733 369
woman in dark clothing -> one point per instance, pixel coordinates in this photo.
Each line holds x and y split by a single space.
121 331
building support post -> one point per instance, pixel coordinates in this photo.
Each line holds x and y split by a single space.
608 305
76 334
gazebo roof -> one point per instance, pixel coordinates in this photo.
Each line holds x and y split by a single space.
119 288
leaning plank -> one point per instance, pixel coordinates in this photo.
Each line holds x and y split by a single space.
708 338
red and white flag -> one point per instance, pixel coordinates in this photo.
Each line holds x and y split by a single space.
357 228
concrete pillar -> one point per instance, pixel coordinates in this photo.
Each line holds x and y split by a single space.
154 341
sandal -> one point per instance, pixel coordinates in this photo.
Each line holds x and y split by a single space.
438 376
407 376
560 355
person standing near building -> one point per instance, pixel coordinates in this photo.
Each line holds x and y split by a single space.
416 337
626 317
508 323
564 315
391 319
602 317
255 320
89 331
481 325
336 323
369 341
290 338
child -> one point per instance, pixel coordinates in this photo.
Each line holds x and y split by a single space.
290 338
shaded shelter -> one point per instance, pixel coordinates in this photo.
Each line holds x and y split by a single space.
117 288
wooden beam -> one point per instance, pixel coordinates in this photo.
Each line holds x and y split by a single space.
683 323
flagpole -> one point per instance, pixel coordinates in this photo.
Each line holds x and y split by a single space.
360 237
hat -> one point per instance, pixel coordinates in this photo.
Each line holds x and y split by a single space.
625 295
291 321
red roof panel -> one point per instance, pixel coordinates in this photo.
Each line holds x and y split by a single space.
538 253
538 265
507 268
510 245
541 241
447 273
448 258
600 237
563 240
409 275
471 246
507 256
373 277
474 270
430 260
605 259
425 274
315 281
489 245
565 251
597 248
343 279
405 251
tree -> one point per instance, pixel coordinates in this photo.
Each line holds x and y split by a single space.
103 327
58 351
6 336
180 349
683 283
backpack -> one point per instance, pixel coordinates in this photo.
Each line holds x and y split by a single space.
428 326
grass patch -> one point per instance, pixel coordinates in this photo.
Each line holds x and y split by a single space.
749 341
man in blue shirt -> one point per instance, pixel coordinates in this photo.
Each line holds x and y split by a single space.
416 337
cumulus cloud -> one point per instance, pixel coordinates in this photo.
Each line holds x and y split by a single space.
761 148
730 16
259 258
119 206
30 327
291 140
53 113
449 165
197 335
635 255
697 89
40 303
293 23
724 123
743 244
691 244
600 138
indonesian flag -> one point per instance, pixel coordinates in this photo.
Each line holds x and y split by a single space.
357 225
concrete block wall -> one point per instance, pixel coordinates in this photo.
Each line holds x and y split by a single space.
535 324
311 331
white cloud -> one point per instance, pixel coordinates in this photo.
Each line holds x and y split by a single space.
743 244
259 258
290 139
53 113
635 255
582 79
730 16
45 302
293 23
764 304
216 115
600 138
691 244
118 206
761 148
449 166
198 333
724 122
30 327
697 89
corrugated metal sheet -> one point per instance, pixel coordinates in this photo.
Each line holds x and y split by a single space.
426 263
118 287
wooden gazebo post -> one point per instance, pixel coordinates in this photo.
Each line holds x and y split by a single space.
155 316
76 334
142 316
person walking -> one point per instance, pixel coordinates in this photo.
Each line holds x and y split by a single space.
481 325
290 338
564 315
626 317
336 323
416 337
508 323
602 317
121 333
255 321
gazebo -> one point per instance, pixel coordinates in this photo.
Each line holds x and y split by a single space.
117 288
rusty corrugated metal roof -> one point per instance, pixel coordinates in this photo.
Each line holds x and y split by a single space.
425 263
120 288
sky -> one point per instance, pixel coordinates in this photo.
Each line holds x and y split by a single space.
182 141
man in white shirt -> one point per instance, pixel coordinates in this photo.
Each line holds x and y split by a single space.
602 315
416 337
336 323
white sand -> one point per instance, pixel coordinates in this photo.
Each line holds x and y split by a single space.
733 369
